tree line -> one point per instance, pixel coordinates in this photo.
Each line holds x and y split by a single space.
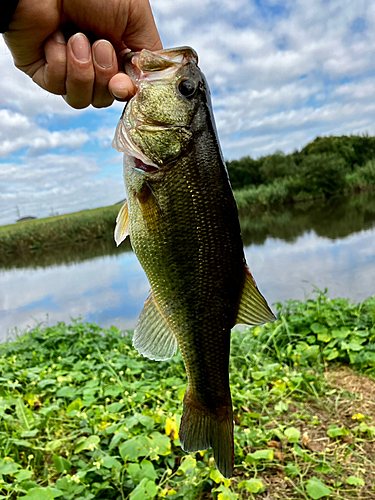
325 166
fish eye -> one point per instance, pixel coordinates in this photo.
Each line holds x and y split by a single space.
187 88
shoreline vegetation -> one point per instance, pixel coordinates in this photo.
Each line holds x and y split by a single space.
325 168
84 416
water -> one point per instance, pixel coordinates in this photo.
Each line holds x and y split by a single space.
330 244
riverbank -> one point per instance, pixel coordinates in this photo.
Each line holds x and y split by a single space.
42 241
291 190
82 414
30 237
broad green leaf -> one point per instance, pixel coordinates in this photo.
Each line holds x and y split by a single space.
259 455
291 470
226 493
340 333
281 406
135 447
74 405
353 346
61 464
189 463
333 354
316 488
109 462
25 415
145 490
160 443
292 434
115 407
318 328
23 474
119 436
89 444
355 481
8 466
337 431
46 381
252 485
67 392
324 336
39 494
324 468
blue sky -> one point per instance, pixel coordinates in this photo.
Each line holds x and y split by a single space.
280 73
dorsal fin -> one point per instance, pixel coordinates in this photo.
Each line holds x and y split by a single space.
253 308
153 335
122 224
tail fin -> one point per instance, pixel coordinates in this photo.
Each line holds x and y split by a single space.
202 428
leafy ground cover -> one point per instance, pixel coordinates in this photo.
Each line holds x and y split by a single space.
83 416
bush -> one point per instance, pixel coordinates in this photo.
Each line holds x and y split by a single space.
277 166
322 174
244 172
265 194
363 175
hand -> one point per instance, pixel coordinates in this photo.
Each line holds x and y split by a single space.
83 73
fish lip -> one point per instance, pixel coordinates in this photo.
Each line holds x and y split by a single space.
152 66
149 65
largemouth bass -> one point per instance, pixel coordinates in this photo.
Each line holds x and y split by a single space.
182 220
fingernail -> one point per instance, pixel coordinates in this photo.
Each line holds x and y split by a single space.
59 37
119 93
103 54
81 47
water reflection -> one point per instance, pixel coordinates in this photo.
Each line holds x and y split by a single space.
324 244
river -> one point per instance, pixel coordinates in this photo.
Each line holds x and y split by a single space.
290 251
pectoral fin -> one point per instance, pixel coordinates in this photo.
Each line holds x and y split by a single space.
153 336
253 308
122 224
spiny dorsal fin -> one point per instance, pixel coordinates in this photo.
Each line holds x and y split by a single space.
153 336
253 309
122 224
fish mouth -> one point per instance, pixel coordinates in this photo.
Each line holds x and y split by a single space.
151 66
123 143
146 64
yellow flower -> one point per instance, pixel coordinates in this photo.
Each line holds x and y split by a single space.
170 426
358 416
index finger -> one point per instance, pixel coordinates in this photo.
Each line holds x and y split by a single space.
141 32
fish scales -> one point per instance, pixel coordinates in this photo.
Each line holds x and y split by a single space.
183 225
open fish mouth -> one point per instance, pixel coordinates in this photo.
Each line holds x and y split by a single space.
123 143
139 66
147 65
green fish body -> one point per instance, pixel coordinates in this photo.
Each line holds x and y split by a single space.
182 220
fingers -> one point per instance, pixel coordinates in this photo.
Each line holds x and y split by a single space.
89 72
51 73
141 32
121 87
80 72
105 66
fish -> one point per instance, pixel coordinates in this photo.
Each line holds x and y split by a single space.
182 220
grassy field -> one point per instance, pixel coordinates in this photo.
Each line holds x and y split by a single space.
31 237
83 416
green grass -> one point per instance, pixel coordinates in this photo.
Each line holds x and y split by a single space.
30 237
83 416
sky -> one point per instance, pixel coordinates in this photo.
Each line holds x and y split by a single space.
280 73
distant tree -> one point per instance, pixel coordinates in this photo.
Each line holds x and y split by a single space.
277 166
322 173
244 172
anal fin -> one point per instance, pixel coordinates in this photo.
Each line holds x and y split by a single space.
253 308
153 336
122 224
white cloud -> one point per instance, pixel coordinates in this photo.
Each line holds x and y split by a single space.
18 131
280 74
64 183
